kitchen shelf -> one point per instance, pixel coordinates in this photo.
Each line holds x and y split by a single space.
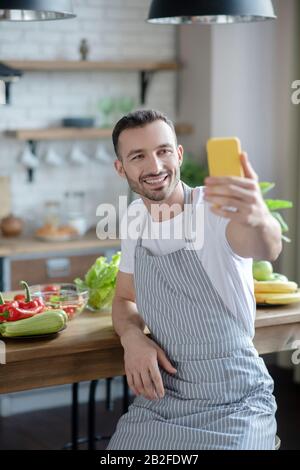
69 133
29 245
146 68
85 65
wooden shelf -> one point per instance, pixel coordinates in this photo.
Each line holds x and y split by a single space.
69 133
76 65
145 68
59 133
27 245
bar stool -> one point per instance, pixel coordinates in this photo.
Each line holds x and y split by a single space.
91 415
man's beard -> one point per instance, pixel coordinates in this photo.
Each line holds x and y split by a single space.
155 195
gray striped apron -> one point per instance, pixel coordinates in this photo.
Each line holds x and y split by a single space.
222 394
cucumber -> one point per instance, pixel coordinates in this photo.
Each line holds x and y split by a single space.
47 322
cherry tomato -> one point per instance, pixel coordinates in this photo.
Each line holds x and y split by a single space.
50 288
70 311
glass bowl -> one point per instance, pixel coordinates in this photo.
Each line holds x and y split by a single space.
61 296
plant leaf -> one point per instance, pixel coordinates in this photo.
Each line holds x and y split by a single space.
193 173
275 204
265 187
286 239
283 224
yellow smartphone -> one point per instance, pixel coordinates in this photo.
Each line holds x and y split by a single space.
223 155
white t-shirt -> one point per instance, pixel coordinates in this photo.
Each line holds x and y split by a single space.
230 273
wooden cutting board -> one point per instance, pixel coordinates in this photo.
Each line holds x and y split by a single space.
5 196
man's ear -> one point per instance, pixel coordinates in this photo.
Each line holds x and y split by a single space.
180 152
119 168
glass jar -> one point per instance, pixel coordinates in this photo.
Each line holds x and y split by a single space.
52 214
75 201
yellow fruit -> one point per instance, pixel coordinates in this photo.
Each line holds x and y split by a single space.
273 298
275 287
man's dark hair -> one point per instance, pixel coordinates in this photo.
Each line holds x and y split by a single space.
139 118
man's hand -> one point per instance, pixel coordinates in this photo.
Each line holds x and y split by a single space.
241 193
141 357
253 231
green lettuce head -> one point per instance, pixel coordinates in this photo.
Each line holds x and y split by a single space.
100 281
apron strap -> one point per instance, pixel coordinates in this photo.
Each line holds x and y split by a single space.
188 212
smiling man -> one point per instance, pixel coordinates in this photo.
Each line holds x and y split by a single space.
199 381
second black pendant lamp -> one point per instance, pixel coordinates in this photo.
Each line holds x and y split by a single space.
210 11
35 10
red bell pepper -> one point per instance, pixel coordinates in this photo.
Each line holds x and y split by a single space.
19 297
4 313
24 308
30 307
7 310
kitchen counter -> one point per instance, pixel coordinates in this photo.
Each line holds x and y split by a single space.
31 258
30 245
90 349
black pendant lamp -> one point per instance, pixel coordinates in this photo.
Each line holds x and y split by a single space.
35 10
210 11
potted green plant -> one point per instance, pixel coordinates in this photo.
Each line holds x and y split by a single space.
263 270
192 172
274 205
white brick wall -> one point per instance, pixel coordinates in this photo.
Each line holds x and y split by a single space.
115 29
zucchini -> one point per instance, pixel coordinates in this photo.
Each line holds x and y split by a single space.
61 312
50 321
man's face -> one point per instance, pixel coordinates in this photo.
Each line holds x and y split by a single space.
151 160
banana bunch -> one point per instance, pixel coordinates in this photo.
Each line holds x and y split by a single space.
276 292
273 288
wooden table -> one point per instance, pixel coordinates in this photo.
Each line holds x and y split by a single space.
89 349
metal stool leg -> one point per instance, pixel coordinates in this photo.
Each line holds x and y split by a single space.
91 438
125 394
91 415
108 402
74 418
